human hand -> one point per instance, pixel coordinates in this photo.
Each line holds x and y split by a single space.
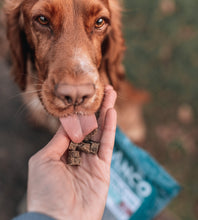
66 192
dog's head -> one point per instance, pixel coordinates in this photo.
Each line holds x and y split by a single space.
73 48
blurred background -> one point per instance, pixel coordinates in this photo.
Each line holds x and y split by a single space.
161 58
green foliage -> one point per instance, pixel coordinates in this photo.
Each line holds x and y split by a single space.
162 47
162 57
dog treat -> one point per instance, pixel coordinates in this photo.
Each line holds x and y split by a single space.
89 136
84 147
94 147
73 146
87 146
73 153
73 161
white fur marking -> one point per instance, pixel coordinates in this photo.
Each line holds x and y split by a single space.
85 64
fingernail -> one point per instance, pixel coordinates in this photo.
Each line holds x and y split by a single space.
108 87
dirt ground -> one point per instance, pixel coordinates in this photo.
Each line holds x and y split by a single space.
171 115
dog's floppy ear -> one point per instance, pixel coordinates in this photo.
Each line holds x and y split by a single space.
17 40
113 47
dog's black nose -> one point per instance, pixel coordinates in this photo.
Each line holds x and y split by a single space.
74 94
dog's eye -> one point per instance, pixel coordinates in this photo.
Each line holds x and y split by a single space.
43 20
99 23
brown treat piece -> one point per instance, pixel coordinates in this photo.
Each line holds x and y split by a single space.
73 153
89 136
85 147
94 147
73 161
73 146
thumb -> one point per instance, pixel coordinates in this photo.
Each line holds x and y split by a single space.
108 136
58 145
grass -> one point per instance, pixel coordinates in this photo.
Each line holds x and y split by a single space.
162 57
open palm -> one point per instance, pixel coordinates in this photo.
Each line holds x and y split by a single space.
74 192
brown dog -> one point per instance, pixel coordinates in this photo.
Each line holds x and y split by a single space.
64 53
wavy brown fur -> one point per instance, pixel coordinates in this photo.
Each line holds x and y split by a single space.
43 58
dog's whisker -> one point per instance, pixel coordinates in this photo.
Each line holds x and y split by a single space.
21 109
36 78
24 93
33 103
37 84
33 91
16 95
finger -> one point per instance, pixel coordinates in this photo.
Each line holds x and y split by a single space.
108 102
58 145
108 136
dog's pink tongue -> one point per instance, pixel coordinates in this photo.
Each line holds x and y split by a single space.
78 127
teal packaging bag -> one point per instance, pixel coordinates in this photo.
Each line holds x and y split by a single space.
139 187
